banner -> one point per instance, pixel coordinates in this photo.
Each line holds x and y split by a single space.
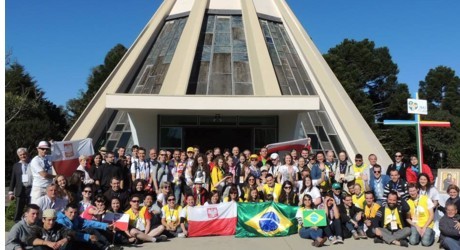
64 154
216 219
266 219
298 145
417 106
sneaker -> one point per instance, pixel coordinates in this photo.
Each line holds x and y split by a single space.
339 240
378 240
355 235
361 234
181 235
404 243
333 240
161 238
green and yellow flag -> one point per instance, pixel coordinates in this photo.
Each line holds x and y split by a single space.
266 219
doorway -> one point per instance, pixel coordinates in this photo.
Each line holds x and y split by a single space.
208 138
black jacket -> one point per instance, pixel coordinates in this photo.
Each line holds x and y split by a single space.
16 184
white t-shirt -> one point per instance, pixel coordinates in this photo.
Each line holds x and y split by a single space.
314 193
38 165
284 172
433 194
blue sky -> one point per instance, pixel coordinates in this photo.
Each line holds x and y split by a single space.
60 41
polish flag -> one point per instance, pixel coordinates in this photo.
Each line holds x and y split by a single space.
298 145
215 219
120 221
64 154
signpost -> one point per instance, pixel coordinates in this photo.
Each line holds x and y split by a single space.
418 107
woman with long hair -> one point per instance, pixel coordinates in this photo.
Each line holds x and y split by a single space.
96 210
233 195
200 169
217 173
251 183
333 230
76 185
288 172
309 189
288 196
96 162
214 198
321 173
63 191
314 233
427 188
254 195
139 188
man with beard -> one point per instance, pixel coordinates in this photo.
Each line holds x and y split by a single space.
389 222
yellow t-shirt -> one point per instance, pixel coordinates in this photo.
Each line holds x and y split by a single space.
359 171
216 175
275 191
420 210
143 215
359 201
171 215
370 212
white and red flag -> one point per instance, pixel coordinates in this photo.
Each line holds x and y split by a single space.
216 219
120 221
298 145
64 154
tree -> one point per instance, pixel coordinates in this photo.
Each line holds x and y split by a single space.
29 116
98 75
441 89
369 76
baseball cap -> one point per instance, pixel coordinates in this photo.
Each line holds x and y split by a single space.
254 156
274 156
190 149
43 144
336 186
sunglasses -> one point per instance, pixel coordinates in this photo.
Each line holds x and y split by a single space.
306 199
251 179
135 201
233 193
171 199
253 159
358 160
398 155
162 154
87 191
287 187
375 172
99 201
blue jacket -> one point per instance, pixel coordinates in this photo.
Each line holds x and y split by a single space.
385 180
316 171
78 224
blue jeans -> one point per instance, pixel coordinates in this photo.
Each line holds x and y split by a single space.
310 233
450 243
427 239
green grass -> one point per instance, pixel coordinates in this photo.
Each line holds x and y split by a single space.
8 225
9 214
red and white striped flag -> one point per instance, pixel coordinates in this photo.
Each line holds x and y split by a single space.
64 154
298 145
216 219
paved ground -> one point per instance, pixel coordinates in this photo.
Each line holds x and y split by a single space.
281 243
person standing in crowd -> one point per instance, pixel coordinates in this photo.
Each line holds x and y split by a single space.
116 191
450 229
275 165
344 171
76 185
236 154
421 217
359 170
201 170
399 165
321 173
106 172
251 183
134 149
41 171
217 173
161 172
396 184
22 230
21 183
314 233
414 170
313 191
352 219
95 164
263 157
199 193
389 223
141 169
330 159
120 152
51 235
82 167
85 202
288 172
358 197
377 183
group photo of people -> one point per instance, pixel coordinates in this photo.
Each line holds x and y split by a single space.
362 200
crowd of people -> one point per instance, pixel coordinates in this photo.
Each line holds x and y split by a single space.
393 205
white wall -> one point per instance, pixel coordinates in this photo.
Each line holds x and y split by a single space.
182 6
266 7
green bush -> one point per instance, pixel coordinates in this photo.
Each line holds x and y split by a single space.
10 209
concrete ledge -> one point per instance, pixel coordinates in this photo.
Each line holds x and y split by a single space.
249 103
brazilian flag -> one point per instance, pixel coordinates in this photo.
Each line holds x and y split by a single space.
265 219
